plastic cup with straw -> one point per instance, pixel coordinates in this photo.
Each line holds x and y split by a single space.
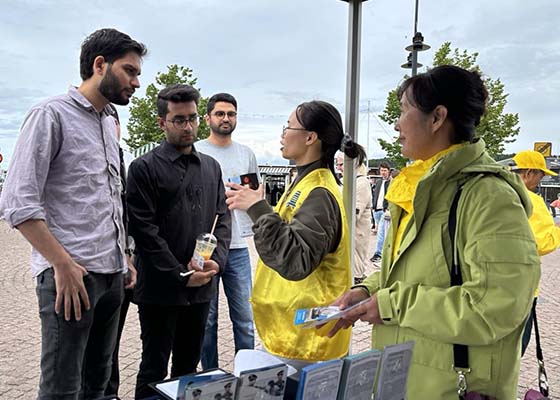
205 245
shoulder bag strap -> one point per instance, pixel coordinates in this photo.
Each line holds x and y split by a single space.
460 351
543 379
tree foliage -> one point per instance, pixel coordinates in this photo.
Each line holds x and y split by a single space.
142 125
496 127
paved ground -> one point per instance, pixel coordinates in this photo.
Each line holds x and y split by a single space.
20 329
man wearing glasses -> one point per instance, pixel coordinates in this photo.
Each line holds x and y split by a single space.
174 194
235 160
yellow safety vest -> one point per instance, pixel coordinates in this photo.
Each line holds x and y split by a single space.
275 299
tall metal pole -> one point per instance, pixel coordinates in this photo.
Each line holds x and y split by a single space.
352 112
414 50
367 152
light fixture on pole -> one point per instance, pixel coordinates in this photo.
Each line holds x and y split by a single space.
416 46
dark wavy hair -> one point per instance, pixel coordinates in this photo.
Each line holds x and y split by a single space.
462 92
109 43
178 93
324 119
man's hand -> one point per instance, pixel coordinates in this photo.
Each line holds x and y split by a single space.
132 274
242 197
70 288
351 297
201 278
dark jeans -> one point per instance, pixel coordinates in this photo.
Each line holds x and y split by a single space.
76 355
165 330
237 287
114 380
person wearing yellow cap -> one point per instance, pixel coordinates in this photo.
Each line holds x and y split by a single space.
531 167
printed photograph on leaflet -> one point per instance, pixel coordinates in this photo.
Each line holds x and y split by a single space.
178 388
263 383
223 388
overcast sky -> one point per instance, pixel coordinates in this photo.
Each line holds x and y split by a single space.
272 55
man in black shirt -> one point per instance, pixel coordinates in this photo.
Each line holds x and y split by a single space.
174 194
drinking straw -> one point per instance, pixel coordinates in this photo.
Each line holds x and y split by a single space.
214 225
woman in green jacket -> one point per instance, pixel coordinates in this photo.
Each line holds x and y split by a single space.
411 298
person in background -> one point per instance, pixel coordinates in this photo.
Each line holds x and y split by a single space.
130 276
531 167
363 213
387 214
303 243
235 160
380 205
174 194
473 322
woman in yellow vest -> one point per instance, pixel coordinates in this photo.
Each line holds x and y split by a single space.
303 243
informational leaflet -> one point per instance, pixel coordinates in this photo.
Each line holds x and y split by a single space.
266 383
320 381
358 375
243 220
311 317
262 376
214 388
176 388
395 363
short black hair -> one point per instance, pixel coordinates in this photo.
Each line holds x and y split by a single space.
178 93
225 97
462 92
109 43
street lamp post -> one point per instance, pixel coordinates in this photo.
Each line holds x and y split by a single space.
352 111
416 46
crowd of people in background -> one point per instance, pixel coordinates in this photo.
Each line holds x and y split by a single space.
458 237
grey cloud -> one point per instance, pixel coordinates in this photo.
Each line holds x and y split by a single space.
18 100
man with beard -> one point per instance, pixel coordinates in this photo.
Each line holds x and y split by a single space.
235 160
63 194
175 193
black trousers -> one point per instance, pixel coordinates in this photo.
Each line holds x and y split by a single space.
166 330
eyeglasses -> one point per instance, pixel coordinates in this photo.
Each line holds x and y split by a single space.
285 128
181 122
222 114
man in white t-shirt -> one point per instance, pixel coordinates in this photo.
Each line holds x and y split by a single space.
380 205
235 160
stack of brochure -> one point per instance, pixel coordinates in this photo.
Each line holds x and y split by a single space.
261 376
357 376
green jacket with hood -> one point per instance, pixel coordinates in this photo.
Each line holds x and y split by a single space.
500 269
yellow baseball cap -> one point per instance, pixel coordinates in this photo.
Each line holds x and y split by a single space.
530 159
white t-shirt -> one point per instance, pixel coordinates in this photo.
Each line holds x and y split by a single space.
235 160
381 197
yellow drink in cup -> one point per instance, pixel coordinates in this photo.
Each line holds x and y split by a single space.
205 245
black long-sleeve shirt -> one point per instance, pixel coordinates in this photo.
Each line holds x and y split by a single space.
172 198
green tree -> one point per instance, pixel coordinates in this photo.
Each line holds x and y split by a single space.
496 127
142 125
